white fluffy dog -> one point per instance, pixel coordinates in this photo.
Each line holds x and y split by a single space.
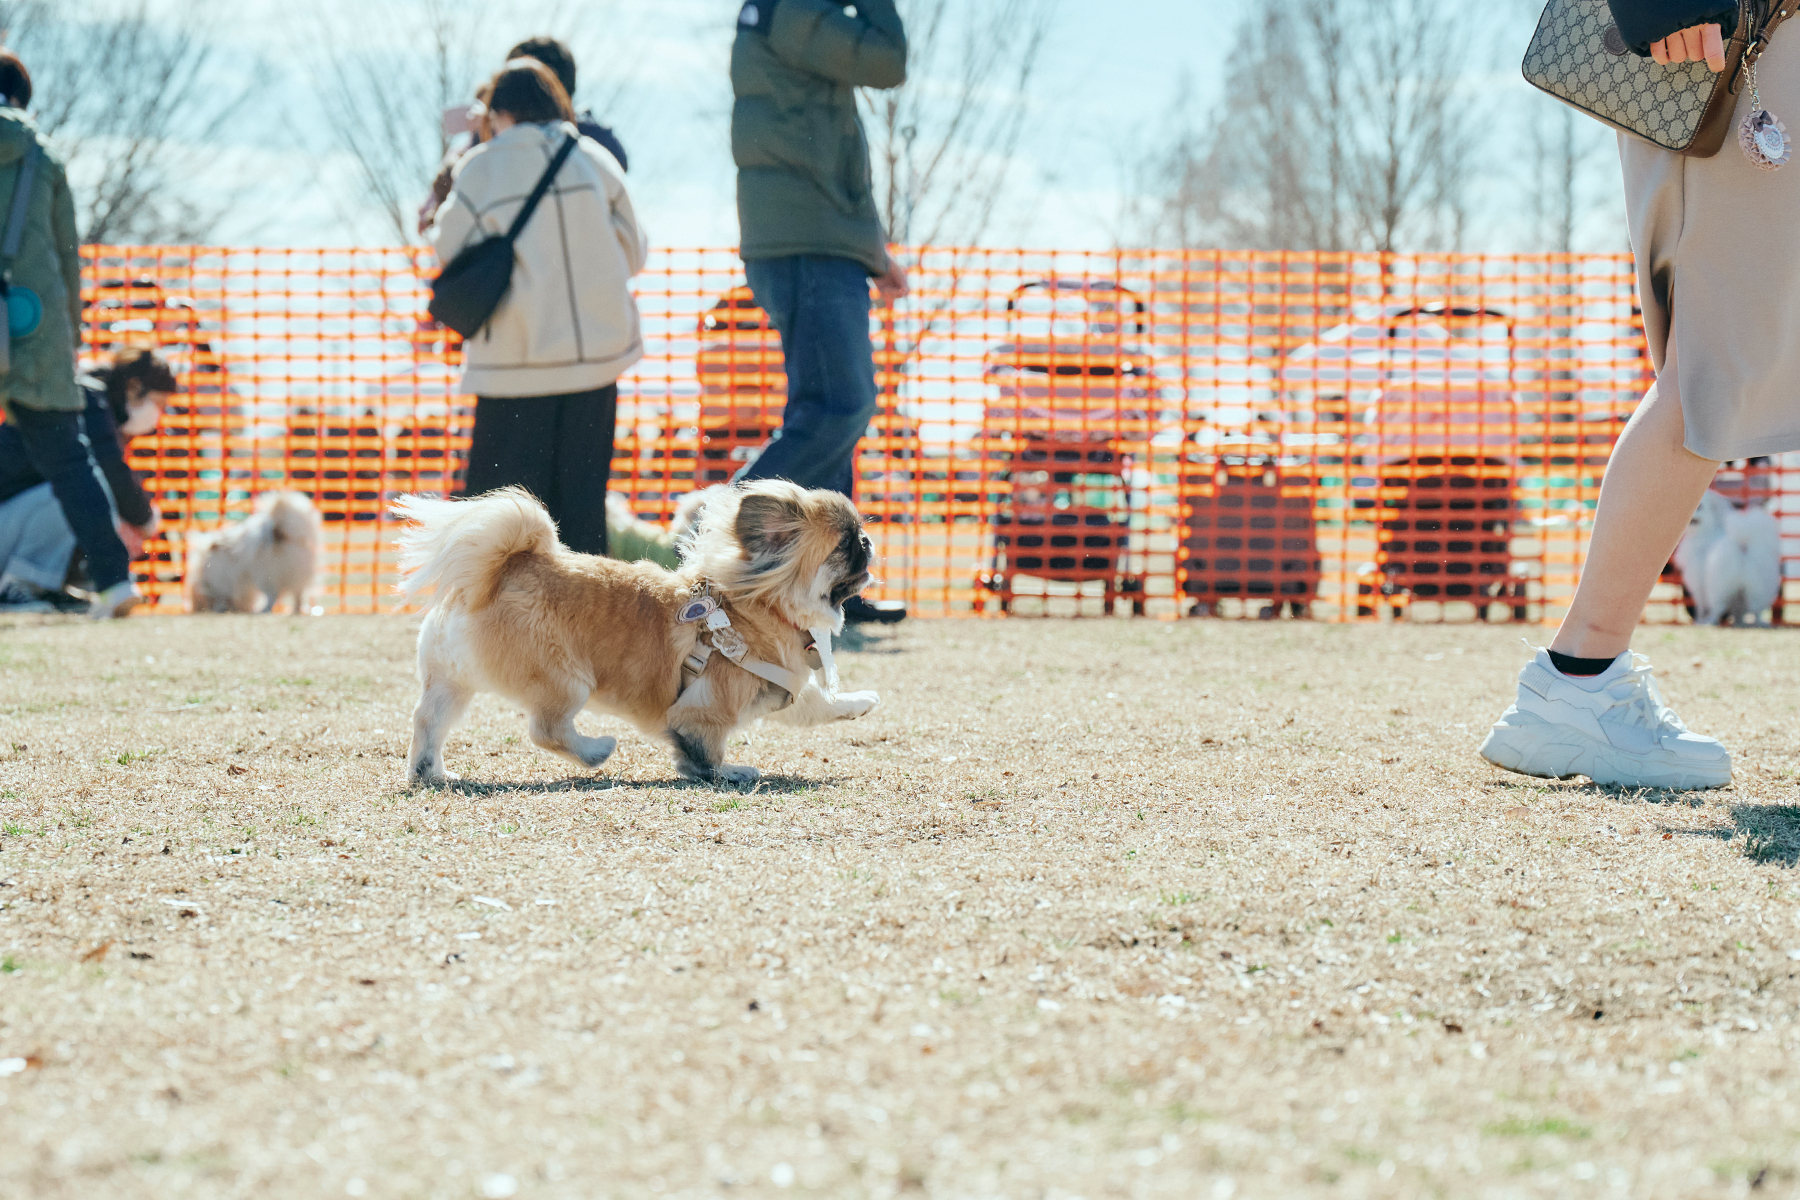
1730 560
250 566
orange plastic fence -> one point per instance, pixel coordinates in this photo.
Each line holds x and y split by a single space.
1349 436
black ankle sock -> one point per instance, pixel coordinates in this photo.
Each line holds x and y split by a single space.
1578 667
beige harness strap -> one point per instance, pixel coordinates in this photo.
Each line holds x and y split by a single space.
727 641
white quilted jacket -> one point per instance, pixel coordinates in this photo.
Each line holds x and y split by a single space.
569 323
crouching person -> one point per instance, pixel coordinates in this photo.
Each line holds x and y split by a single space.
37 541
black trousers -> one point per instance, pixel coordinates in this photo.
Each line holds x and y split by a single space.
558 448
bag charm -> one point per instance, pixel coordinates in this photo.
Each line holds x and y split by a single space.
1762 136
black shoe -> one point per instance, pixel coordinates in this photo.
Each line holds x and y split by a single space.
64 601
16 597
858 611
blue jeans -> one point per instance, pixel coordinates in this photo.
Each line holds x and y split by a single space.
36 542
820 305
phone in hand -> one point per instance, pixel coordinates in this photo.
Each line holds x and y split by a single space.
458 118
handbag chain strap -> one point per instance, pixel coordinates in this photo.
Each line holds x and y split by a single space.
1759 43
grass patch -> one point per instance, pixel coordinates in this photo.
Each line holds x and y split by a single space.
1531 1127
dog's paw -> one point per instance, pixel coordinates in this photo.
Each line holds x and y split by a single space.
735 773
851 705
596 751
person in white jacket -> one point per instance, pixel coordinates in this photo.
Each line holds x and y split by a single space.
545 368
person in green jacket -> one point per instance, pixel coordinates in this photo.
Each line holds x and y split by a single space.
41 400
811 236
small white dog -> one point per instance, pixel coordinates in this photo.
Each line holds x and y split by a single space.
250 566
1730 560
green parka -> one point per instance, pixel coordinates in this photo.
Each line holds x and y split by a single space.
49 263
804 185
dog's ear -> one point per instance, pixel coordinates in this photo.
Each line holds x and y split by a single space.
767 525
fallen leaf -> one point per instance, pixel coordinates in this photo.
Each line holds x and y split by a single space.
98 952
1667 836
234 769
989 803
1518 812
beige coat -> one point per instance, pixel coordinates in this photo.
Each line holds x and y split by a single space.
569 323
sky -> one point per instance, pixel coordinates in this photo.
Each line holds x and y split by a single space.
1116 80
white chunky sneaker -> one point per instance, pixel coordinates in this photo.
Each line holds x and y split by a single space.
1614 728
116 601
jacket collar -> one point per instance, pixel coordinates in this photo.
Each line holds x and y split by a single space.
548 131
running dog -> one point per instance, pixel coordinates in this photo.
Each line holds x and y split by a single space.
690 656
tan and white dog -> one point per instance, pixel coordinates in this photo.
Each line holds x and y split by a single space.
251 565
766 569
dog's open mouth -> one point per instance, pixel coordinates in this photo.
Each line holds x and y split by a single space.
849 587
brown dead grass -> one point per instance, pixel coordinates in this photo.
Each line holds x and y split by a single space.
1099 908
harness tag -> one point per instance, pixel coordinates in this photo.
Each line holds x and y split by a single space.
717 620
696 608
730 643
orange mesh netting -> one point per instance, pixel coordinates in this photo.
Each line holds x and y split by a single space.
1061 432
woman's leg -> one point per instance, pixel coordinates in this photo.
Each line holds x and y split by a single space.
1653 484
1613 726
584 446
513 445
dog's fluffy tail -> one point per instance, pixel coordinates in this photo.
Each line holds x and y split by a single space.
459 547
292 516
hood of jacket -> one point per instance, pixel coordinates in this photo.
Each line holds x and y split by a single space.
17 132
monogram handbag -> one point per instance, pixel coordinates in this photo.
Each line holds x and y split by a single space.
466 293
1579 56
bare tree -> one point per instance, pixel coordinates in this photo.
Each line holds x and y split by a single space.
384 93
126 98
1339 130
942 145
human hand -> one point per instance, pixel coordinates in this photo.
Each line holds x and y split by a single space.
1702 43
133 537
891 284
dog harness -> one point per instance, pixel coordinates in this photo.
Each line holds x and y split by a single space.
704 607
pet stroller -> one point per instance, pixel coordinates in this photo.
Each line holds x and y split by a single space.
1249 533
1437 448
1067 418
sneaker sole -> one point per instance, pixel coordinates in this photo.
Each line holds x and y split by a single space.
121 609
1568 753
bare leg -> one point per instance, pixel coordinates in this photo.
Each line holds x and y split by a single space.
1652 486
440 707
552 728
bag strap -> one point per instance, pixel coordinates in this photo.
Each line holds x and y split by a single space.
1783 10
549 177
21 203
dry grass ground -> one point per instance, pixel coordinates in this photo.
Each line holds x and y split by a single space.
1093 909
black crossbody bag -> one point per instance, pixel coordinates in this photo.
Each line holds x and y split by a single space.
466 293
